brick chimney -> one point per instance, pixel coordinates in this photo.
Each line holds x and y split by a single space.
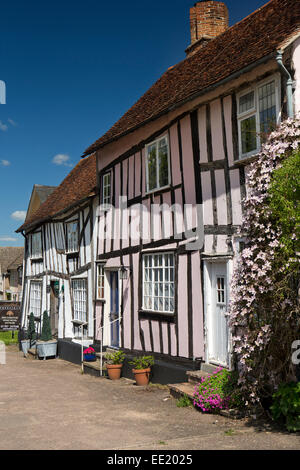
208 19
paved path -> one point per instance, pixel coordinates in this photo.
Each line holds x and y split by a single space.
51 405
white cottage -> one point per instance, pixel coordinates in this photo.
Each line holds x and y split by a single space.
59 256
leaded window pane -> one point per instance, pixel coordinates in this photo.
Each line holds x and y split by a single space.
248 135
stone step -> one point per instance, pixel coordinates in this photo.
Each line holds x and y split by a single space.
93 368
209 368
179 390
195 376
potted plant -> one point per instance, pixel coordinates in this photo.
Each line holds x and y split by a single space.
89 354
46 346
30 336
114 364
142 368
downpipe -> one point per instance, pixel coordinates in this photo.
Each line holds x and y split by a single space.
289 84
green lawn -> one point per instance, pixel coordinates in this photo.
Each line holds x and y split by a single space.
7 337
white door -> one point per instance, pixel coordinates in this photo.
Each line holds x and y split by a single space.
218 326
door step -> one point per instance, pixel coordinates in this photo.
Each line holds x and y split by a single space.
94 368
195 376
180 390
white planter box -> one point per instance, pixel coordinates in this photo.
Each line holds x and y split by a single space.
47 349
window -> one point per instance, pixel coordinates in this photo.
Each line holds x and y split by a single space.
36 245
79 299
35 298
100 281
59 236
158 283
157 164
221 296
258 111
72 236
106 188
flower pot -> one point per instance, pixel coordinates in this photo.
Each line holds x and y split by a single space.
25 343
89 357
142 376
46 348
114 371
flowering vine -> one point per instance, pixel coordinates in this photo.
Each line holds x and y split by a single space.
263 312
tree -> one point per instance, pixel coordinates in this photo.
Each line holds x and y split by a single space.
46 328
31 334
264 309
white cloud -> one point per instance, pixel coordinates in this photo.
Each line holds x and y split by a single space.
8 239
18 215
4 162
3 127
12 122
62 159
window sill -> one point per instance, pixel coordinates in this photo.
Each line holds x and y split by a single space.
243 161
79 322
161 316
157 190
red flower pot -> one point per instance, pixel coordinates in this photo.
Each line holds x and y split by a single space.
142 376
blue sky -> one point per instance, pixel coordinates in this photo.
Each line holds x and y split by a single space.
71 70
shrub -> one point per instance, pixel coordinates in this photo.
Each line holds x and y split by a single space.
31 334
142 362
115 358
286 405
46 328
217 391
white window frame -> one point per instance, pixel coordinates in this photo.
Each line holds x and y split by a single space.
35 301
80 299
106 184
100 277
254 111
153 282
36 250
72 245
158 187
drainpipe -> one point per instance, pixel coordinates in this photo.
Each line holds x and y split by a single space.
289 85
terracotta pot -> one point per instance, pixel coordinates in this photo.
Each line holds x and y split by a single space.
114 371
142 376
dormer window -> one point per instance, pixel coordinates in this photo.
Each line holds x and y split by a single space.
258 115
157 164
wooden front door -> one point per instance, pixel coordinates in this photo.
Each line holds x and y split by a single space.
54 307
217 321
114 310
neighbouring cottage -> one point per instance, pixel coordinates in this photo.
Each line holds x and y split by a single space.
59 255
11 273
188 141
39 195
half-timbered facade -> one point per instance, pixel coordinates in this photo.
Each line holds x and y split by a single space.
163 277
59 257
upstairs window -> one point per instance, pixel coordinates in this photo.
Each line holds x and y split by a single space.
72 236
106 188
157 164
36 245
258 111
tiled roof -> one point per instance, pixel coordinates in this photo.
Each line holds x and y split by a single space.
79 184
255 37
11 257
